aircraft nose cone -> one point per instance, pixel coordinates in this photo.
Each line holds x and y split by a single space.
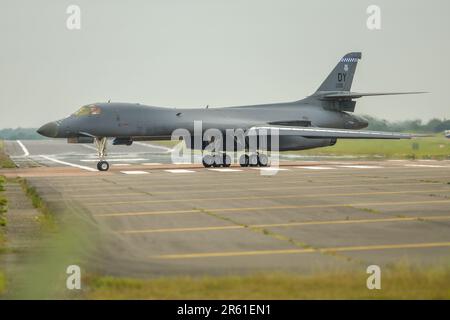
363 122
49 130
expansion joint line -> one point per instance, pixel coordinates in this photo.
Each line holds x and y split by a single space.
280 237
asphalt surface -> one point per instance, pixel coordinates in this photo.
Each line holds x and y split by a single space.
155 219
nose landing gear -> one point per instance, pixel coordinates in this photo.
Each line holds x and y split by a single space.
100 143
102 166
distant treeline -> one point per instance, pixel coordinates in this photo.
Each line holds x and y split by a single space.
432 126
20 134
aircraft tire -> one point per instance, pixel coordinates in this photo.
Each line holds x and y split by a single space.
226 162
243 160
253 160
103 166
207 160
263 160
218 160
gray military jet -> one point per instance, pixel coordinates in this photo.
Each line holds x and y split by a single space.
316 121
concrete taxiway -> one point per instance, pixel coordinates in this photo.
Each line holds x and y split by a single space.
155 218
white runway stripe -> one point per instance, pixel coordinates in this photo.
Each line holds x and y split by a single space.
179 171
270 169
24 149
134 172
148 145
425 165
225 170
316 168
112 160
121 164
88 146
361 167
68 163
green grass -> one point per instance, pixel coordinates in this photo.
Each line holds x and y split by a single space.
5 161
47 218
436 147
3 208
400 282
2 283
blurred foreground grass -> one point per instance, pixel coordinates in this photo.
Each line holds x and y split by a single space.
3 209
399 282
5 161
2 283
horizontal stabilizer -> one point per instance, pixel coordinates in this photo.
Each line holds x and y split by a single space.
345 95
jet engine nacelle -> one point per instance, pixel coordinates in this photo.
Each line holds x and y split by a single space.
80 140
290 143
122 141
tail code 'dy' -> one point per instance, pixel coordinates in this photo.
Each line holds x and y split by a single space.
341 78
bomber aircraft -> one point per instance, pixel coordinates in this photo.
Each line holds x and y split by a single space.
315 121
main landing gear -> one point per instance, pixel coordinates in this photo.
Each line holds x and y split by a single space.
100 143
224 160
254 160
216 160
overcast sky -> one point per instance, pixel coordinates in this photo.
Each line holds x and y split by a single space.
190 53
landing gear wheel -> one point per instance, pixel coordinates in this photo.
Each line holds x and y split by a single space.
253 160
226 160
243 160
103 166
218 160
207 160
263 160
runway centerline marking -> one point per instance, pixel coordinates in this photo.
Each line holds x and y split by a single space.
307 250
225 170
88 146
179 171
258 197
115 159
425 166
134 172
270 169
286 225
69 164
24 149
315 167
361 167
336 205
149 145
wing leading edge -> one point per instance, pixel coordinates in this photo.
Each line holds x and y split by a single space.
314 132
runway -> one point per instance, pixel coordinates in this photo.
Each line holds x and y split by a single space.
155 218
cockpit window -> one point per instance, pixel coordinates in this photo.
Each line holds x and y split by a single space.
88 110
